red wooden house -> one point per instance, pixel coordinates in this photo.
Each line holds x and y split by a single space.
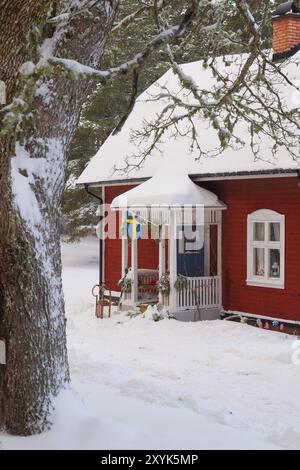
225 231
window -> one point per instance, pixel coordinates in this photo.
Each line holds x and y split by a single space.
266 231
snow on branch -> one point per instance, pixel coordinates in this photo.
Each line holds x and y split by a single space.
247 99
258 105
130 18
157 5
243 7
30 73
80 9
76 71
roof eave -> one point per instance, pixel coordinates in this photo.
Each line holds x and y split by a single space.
219 206
201 177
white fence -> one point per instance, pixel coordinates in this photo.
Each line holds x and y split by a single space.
147 282
147 286
200 292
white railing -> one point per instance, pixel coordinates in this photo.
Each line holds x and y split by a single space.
147 286
147 282
200 292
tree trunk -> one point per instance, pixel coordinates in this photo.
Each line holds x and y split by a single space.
32 176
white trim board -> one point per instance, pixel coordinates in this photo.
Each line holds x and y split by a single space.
195 178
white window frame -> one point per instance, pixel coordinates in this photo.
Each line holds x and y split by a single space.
267 217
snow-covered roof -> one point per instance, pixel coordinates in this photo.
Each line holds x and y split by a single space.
175 153
167 190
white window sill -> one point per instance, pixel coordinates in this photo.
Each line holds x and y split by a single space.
264 283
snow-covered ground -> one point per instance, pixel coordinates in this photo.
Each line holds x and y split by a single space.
143 384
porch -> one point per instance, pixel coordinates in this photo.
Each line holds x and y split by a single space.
197 293
188 228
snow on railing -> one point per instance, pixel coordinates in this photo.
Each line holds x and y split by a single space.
200 292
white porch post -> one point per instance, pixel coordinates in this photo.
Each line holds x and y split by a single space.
134 270
162 261
124 245
206 248
173 261
219 255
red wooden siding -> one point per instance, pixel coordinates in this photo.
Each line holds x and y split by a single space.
242 198
147 249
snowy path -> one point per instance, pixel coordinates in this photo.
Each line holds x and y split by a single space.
141 384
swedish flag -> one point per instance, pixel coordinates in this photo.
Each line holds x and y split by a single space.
134 229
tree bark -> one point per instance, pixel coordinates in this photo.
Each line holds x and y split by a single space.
32 176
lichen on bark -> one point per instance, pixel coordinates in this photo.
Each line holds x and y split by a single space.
32 174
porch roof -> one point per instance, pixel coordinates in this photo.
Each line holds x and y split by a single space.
167 190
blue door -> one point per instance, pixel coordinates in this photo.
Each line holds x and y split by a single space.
190 250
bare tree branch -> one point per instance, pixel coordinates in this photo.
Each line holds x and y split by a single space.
130 18
246 90
74 70
77 71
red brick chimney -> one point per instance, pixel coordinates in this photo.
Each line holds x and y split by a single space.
286 31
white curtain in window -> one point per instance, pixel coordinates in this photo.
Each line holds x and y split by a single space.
259 258
275 232
259 234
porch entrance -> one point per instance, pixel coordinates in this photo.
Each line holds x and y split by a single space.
188 276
